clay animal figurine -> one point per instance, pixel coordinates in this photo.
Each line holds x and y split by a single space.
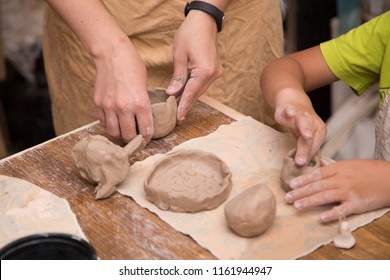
164 109
290 170
103 163
251 212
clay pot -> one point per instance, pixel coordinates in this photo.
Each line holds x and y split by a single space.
164 109
290 170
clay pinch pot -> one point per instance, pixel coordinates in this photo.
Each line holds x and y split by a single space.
104 163
164 109
188 181
290 170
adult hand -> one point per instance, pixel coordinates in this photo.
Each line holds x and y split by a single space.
120 93
120 90
306 126
358 185
195 58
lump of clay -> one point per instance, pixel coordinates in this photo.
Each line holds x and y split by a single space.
103 163
344 238
164 108
290 170
251 212
188 181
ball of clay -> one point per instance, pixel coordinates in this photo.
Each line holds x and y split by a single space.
188 181
251 212
164 108
290 170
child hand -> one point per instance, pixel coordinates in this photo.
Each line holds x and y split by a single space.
307 127
358 185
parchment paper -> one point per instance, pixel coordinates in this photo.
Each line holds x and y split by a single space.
27 209
254 153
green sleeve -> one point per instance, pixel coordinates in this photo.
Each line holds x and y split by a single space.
357 56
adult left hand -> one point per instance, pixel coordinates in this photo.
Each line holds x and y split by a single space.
195 59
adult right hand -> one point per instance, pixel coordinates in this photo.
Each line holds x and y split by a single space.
120 90
120 93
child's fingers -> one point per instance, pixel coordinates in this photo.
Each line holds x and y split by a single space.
341 211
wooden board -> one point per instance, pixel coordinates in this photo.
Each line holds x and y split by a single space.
120 229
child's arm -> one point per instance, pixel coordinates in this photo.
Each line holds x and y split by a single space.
284 83
359 185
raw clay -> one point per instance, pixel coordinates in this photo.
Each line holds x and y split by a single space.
290 170
102 162
27 209
164 108
188 181
251 212
344 238
254 153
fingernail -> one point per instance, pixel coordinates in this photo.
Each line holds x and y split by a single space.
300 160
180 115
170 89
149 130
289 198
173 87
180 120
294 183
324 216
299 204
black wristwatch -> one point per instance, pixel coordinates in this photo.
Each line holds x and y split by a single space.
213 11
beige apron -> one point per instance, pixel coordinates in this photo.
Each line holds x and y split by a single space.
252 37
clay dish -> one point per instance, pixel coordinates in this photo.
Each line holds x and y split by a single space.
251 212
290 170
188 181
164 108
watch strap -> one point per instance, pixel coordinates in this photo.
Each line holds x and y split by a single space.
213 11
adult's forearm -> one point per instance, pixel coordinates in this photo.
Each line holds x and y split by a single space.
92 23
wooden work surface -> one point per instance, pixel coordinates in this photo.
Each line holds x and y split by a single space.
110 225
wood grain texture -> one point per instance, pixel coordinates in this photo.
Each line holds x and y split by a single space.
120 229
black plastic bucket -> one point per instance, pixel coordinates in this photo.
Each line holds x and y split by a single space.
48 246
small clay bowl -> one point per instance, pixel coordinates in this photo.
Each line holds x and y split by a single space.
164 109
48 246
290 170
188 181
